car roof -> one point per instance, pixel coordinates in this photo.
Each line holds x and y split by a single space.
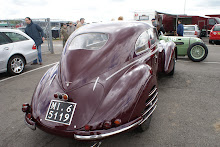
10 30
15 31
112 27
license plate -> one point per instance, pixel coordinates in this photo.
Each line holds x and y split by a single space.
219 33
60 112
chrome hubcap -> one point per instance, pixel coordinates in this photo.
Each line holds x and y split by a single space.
197 52
17 65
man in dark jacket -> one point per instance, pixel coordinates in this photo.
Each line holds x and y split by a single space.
180 29
37 34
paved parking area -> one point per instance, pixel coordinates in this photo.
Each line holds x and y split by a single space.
188 112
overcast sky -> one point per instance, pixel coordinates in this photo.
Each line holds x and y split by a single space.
101 10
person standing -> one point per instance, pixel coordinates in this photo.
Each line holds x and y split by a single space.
37 34
71 28
81 23
180 29
64 33
154 23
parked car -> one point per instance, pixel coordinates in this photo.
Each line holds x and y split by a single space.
104 84
195 48
21 29
191 31
214 36
16 50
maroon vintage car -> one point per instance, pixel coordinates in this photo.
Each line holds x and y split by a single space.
104 84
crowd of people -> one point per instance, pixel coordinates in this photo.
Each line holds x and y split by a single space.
66 31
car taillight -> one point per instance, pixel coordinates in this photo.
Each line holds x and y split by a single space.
196 33
87 127
34 47
29 116
56 95
25 107
65 97
117 122
107 125
61 96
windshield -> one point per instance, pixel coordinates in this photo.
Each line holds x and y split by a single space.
189 28
216 28
90 41
218 20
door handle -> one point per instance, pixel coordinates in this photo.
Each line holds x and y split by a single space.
179 39
6 48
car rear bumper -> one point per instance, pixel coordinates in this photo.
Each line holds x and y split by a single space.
110 132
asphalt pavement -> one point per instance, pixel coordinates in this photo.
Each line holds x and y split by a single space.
187 115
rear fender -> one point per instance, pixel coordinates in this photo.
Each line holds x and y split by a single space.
123 96
168 51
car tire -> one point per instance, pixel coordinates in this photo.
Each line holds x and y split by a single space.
197 52
16 65
210 42
173 70
145 126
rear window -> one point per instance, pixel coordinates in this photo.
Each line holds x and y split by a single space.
189 28
216 28
90 41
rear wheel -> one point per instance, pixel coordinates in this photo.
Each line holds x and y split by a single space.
145 126
197 52
16 65
174 63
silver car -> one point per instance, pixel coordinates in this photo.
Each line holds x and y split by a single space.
191 31
16 50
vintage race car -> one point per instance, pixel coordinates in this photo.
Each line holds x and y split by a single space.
104 84
193 47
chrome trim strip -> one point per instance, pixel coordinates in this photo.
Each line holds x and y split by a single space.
121 70
150 107
95 83
152 92
52 79
152 99
149 115
147 56
81 137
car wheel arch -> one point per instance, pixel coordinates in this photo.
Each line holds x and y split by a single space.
18 55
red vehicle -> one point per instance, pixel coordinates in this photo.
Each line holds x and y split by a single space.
214 35
105 83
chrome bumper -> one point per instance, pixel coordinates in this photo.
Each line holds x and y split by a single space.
101 136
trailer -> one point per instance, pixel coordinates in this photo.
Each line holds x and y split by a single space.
169 21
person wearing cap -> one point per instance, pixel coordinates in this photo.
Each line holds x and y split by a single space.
154 23
81 23
64 33
71 28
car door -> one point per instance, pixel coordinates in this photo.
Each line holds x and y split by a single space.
182 44
6 46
